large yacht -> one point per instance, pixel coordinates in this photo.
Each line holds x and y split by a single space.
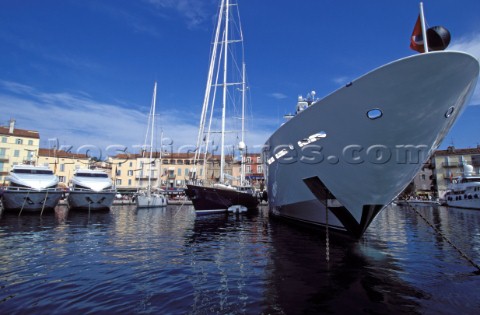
31 189
222 195
464 192
340 160
91 190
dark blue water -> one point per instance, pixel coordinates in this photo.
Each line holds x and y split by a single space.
167 261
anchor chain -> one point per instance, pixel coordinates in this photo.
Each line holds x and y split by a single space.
327 242
446 238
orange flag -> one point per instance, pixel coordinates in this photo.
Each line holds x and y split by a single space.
416 41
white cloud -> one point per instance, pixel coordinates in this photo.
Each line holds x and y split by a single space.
340 80
194 11
471 45
278 96
80 121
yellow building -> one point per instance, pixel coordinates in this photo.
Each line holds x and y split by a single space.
170 172
62 163
17 146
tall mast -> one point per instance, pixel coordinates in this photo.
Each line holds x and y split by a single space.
242 146
224 101
159 181
206 99
154 99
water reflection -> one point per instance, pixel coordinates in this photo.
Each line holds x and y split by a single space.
301 280
168 260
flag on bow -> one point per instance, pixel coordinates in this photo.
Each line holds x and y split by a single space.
416 41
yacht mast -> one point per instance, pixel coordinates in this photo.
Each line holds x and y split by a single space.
242 146
154 99
224 101
206 99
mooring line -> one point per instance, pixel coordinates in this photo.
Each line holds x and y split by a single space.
181 206
44 201
24 201
327 241
446 238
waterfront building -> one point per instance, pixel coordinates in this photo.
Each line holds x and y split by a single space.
63 163
169 171
17 146
424 182
423 185
253 170
448 164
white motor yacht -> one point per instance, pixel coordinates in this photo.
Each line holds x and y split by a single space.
91 190
31 189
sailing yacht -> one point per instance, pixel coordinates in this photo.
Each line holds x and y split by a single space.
343 158
150 197
229 77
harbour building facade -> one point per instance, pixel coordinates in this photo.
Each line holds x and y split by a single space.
448 165
17 146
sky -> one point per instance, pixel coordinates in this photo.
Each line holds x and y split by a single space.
81 72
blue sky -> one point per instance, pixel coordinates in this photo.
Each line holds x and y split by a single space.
82 71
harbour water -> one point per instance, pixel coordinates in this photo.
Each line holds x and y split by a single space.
168 261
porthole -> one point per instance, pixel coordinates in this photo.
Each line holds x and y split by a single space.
449 112
374 113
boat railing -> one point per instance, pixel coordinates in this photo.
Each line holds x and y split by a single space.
90 190
27 189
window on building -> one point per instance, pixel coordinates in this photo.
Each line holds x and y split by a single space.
259 169
186 172
30 142
129 182
249 160
118 182
4 139
248 169
179 172
118 173
61 179
62 167
30 155
130 164
19 141
2 152
16 153
130 173
259 159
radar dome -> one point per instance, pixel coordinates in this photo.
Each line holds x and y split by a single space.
241 146
438 38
